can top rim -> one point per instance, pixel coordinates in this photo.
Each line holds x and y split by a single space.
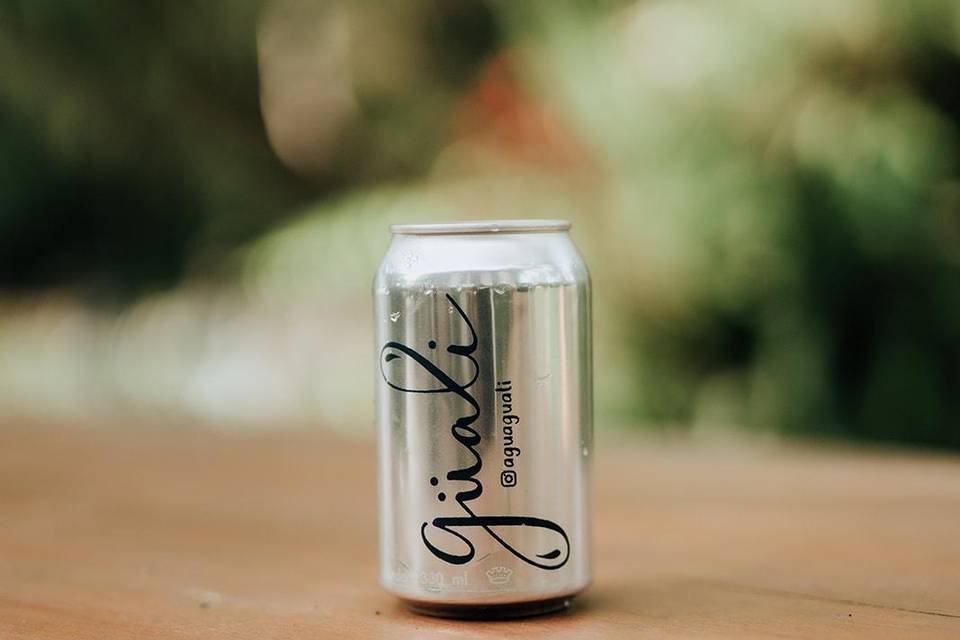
480 226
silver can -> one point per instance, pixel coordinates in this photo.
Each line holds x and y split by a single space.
485 417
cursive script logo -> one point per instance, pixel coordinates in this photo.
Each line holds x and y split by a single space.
457 529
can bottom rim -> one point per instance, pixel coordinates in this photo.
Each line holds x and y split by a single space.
498 611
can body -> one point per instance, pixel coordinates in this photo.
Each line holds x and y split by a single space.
484 410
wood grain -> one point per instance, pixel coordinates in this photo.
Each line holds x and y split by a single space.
176 533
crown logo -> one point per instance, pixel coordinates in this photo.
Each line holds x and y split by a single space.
499 575
400 572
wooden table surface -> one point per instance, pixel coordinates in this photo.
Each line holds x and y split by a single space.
150 533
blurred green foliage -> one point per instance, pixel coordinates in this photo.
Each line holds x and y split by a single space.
133 145
789 175
768 194
130 133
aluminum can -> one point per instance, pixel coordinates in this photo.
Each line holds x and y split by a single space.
484 416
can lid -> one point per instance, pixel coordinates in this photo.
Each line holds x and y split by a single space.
480 226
